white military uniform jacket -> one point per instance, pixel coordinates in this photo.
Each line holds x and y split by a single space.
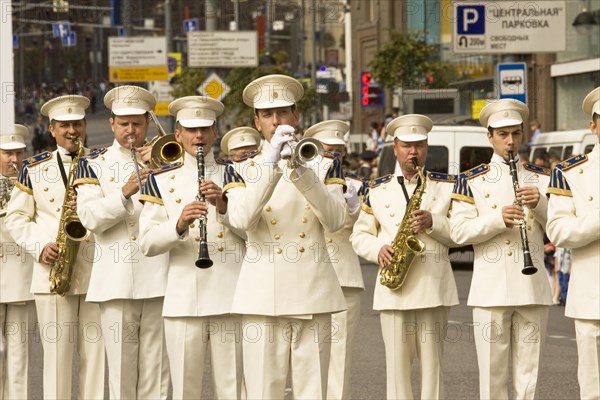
476 219
430 282
16 268
191 291
34 214
286 271
574 222
121 270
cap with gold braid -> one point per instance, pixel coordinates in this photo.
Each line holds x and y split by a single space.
196 111
503 112
65 108
329 132
272 91
591 103
14 140
129 100
410 127
240 137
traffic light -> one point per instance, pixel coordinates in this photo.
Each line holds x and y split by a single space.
371 93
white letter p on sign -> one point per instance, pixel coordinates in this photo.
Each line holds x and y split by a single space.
470 16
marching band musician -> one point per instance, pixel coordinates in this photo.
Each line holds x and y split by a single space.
16 301
345 262
505 300
197 307
33 218
287 288
128 286
574 222
240 141
421 305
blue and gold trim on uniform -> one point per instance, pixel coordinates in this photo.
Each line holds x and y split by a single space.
473 172
231 178
248 155
373 183
461 191
23 181
38 158
537 169
150 191
331 154
440 177
95 153
366 200
224 161
364 184
85 174
335 174
572 162
558 184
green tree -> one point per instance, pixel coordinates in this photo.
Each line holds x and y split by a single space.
187 83
408 61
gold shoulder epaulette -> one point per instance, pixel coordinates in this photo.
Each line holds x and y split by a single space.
166 168
331 154
95 153
571 162
473 172
536 168
248 155
440 177
378 181
38 158
224 161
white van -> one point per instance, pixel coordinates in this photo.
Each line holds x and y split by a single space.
452 149
563 144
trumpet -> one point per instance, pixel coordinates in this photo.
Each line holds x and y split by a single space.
528 268
165 149
304 152
203 260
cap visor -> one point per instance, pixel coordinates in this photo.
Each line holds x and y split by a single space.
68 117
413 137
505 122
242 144
333 141
129 111
261 105
196 123
12 146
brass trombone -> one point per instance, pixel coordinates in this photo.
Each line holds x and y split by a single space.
165 149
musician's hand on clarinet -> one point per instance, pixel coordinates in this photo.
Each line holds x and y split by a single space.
214 195
385 256
512 215
528 196
49 253
420 221
190 213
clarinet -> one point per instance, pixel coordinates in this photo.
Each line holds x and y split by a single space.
203 260
529 268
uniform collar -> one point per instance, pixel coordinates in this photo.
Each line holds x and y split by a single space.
497 158
190 161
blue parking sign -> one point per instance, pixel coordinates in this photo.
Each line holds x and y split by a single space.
470 19
61 29
191 25
70 40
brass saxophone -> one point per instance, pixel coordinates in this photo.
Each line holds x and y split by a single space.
405 244
70 233
7 183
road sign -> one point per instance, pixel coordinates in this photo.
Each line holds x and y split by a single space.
137 59
61 29
191 25
174 64
70 40
371 93
15 41
161 90
214 87
512 81
223 49
121 32
511 27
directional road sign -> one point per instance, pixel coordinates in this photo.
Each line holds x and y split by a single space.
512 81
61 29
191 25
70 40
214 87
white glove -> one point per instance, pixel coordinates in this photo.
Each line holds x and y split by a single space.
351 197
283 134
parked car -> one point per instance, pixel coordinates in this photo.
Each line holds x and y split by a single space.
563 144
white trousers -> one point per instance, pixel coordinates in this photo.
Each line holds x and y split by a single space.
66 322
588 351
271 344
188 340
133 331
409 332
15 332
344 326
502 332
